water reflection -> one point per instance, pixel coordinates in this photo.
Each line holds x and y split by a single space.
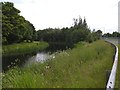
39 57
25 60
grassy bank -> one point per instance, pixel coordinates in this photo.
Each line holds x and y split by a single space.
119 67
117 83
23 48
118 79
82 67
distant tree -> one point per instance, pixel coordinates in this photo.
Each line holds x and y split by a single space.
84 23
116 34
93 30
75 21
107 35
80 21
99 33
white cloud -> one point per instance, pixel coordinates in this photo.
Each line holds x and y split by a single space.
100 14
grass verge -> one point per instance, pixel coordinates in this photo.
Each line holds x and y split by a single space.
82 67
23 48
119 67
117 83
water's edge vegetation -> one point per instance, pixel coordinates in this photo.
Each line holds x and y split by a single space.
83 66
23 48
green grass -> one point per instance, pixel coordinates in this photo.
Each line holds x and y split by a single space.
119 68
118 79
117 83
23 48
0 50
82 67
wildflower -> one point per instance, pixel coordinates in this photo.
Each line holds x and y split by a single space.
47 67
53 56
16 60
3 75
11 63
8 66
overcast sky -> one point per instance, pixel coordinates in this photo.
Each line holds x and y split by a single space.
100 14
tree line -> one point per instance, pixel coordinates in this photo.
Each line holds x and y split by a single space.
69 36
114 34
16 29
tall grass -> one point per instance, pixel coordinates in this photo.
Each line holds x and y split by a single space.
117 82
118 79
23 48
119 68
82 67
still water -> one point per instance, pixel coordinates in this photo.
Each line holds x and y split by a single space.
25 60
39 57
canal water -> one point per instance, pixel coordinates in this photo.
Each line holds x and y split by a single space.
27 59
39 57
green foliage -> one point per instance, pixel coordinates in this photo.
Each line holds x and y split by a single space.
68 36
114 34
23 48
99 33
14 27
76 68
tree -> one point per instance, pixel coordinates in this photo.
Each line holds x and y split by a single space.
80 21
84 23
68 36
14 27
99 33
116 34
107 35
